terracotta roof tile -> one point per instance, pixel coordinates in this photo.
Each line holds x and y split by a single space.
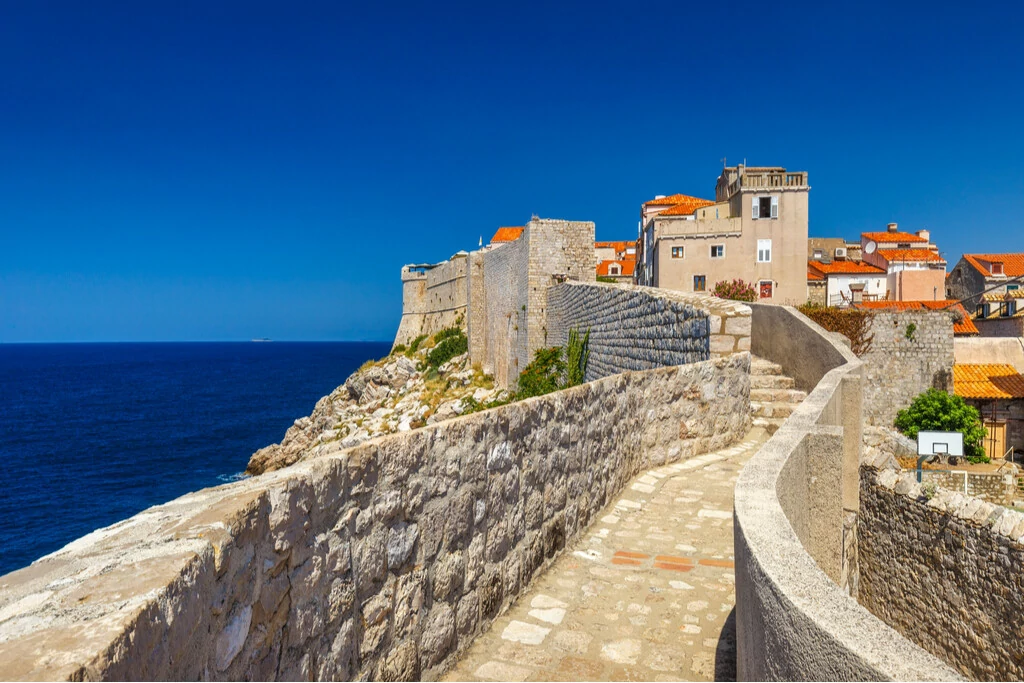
911 255
844 268
987 381
884 237
686 208
965 327
620 247
627 267
996 297
507 235
674 199
814 276
1013 264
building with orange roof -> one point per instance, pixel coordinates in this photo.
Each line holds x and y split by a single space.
975 275
914 269
754 230
848 282
509 234
620 270
615 251
997 391
963 326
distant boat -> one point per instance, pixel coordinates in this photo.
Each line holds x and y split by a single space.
262 339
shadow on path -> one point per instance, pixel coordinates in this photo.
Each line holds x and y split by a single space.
725 651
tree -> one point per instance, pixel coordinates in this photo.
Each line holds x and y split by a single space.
935 410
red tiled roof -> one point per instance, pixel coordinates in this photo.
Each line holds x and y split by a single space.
674 199
618 247
686 208
627 267
911 255
1013 264
844 268
507 235
987 381
883 237
814 276
965 327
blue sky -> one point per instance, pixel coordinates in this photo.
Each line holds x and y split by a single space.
207 171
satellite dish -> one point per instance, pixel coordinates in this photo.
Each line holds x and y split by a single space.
869 247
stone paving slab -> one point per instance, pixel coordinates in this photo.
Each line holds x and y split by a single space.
646 595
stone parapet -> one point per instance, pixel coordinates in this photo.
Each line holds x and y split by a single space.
381 562
636 328
796 528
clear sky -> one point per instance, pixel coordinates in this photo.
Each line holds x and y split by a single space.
217 171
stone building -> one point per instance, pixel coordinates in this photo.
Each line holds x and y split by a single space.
963 326
997 391
616 260
829 248
978 274
755 230
1001 314
915 270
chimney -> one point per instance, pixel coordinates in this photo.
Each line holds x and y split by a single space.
659 196
891 227
857 292
925 235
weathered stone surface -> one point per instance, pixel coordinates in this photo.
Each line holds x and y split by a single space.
438 634
400 544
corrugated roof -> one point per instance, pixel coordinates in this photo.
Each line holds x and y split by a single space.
987 381
885 237
964 328
911 255
1013 264
507 234
844 268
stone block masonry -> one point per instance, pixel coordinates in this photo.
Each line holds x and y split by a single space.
637 328
379 562
945 572
433 300
912 351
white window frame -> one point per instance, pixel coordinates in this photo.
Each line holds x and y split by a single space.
682 252
712 252
764 251
614 269
755 208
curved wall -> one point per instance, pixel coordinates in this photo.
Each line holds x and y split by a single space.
795 524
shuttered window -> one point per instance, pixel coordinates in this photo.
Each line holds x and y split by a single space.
775 207
764 251
755 209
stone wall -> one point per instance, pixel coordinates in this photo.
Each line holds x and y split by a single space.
945 572
382 562
637 328
898 367
795 528
995 488
433 300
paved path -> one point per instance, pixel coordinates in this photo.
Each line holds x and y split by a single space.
647 594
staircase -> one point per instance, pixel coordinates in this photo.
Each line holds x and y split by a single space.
773 397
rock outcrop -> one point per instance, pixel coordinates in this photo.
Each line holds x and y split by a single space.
396 394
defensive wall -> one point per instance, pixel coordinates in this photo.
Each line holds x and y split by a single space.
911 352
434 296
796 527
381 561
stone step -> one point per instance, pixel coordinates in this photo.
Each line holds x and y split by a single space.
771 382
760 366
777 395
769 424
773 409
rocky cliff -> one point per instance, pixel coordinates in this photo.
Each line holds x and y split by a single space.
396 394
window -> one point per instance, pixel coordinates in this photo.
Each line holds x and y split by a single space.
677 252
818 254
903 245
997 268
1012 288
717 250
614 270
700 283
765 207
766 289
764 251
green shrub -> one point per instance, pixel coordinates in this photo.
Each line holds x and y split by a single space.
577 354
415 344
543 373
447 348
935 410
446 333
737 290
605 278
399 348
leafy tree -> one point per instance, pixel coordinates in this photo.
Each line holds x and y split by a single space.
935 410
577 353
543 373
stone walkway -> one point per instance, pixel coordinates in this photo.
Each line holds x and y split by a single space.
646 595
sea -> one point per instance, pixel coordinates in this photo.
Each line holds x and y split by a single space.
91 434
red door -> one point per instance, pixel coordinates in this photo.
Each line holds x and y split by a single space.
766 289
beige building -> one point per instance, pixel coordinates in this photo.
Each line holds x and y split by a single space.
915 270
754 230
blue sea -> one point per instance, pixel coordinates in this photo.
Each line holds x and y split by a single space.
93 433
